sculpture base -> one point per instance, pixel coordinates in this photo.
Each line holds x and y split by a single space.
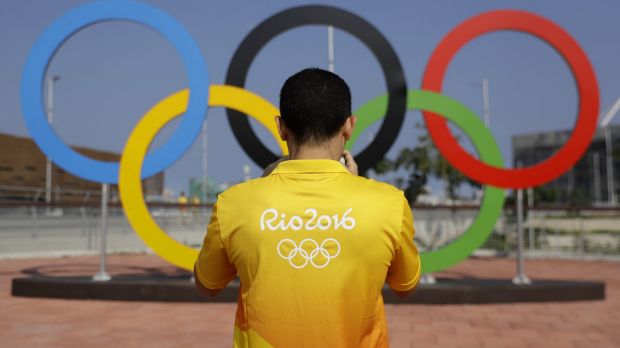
181 289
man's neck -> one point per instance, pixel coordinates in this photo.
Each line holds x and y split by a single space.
318 152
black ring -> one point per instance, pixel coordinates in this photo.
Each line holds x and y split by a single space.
347 21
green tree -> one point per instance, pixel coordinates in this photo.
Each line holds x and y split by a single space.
420 162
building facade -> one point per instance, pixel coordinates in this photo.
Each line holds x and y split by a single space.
587 182
23 174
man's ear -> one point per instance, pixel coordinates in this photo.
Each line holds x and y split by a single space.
349 126
282 128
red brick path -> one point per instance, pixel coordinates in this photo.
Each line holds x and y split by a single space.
28 322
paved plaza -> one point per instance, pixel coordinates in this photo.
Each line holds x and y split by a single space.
29 322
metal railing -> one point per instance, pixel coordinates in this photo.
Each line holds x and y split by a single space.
73 226
36 228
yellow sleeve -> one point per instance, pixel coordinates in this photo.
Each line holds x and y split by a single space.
404 271
213 268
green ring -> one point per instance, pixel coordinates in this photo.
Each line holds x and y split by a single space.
481 137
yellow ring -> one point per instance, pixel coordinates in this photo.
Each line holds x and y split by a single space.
130 185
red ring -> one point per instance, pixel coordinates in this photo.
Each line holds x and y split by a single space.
587 88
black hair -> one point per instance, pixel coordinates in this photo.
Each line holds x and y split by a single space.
314 104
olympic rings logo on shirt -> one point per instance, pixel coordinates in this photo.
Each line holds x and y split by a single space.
193 103
318 250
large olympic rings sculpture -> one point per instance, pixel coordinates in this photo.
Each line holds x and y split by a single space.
193 102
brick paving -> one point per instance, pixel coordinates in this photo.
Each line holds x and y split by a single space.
28 322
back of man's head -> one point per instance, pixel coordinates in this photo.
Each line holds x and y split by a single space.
314 105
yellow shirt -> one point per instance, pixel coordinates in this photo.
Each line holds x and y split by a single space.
312 245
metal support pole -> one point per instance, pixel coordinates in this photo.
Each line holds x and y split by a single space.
520 278
530 213
48 162
48 182
205 178
330 49
102 276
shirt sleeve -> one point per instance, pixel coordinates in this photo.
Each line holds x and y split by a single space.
405 269
213 268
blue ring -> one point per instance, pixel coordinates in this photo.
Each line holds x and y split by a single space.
69 24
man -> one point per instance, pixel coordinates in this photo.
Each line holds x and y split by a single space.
311 242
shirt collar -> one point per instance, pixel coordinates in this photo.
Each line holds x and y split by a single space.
309 166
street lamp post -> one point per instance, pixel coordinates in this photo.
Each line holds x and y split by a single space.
50 119
485 103
330 49
486 109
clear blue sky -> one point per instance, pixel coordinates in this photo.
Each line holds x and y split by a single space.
114 71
